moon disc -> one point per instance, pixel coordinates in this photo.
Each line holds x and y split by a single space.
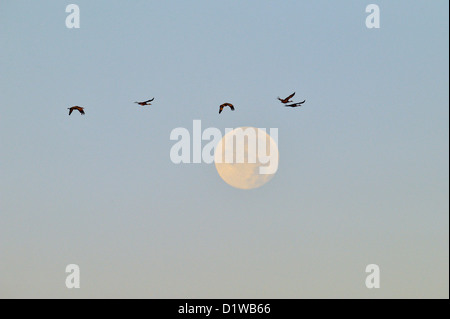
246 158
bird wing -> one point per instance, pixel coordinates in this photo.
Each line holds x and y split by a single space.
149 100
221 108
231 106
301 102
81 111
290 96
70 110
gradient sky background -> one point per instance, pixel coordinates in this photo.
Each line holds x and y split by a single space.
363 175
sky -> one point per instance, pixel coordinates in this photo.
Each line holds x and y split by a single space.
363 175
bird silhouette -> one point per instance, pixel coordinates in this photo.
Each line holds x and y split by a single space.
295 104
78 108
145 102
224 105
286 100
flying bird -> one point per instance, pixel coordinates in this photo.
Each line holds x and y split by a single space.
78 108
296 104
145 102
286 100
224 105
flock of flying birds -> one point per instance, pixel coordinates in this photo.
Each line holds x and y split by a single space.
221 107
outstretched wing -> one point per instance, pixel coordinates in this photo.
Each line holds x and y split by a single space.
290 96
301 102
70 110
81 111
224 105
149 100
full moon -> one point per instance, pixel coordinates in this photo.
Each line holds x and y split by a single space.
246 158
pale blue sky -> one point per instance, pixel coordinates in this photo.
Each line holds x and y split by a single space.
363 174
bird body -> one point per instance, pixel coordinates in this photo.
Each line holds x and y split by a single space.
224 105
295 104
145 102
287 100
78 108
